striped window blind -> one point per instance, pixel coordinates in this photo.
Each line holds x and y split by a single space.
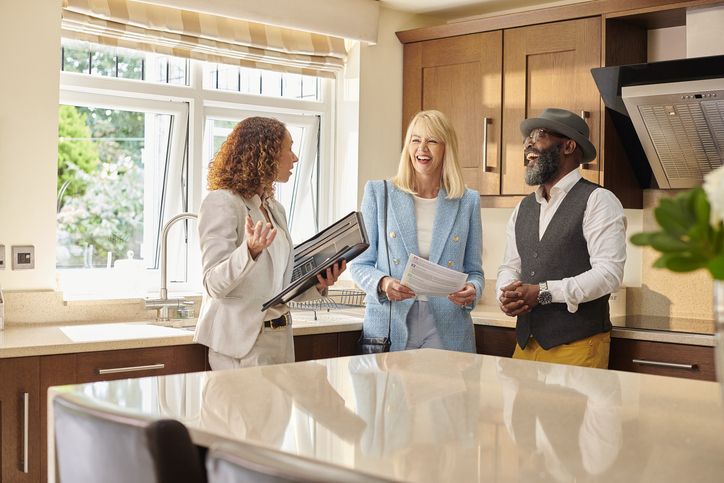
199 36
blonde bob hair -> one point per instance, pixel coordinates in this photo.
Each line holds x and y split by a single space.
434 125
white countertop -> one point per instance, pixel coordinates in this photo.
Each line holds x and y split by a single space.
20 340
431 416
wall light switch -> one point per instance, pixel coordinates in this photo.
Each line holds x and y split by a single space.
2 257
23 257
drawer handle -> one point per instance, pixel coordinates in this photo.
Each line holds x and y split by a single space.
644 362
130 369
24 463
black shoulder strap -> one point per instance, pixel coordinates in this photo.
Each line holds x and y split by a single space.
389 269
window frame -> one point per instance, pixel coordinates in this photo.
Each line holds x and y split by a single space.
200 101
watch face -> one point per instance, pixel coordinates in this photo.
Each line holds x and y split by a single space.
544 298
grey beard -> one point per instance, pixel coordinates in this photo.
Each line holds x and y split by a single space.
549 160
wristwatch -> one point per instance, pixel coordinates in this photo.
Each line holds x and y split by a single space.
544 296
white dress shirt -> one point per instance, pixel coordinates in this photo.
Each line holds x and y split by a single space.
604 228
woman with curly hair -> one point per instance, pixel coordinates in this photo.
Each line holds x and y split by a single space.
246 249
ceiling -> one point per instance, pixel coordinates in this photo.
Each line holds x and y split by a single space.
462 9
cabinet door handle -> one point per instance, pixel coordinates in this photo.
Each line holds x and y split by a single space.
116 370
585 115
486 121
24 462
644 362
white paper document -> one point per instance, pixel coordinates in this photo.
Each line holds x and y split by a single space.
427 278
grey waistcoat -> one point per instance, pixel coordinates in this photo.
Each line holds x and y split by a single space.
561 253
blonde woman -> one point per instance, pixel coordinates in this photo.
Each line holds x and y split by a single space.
246 249
430 213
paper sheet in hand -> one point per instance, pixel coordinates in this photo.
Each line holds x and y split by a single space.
427 278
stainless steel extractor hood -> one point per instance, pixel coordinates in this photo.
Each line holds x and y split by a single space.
670 113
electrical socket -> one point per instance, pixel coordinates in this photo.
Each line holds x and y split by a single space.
23 257
2 257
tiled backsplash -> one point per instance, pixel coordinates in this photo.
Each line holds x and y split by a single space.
665 293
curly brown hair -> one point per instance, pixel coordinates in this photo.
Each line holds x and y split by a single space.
249 158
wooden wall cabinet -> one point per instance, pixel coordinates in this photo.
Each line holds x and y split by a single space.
462 77
488 83
545 66
546 59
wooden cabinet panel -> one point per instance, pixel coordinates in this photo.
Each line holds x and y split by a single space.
124 364
548 66
317 346
19 392
55 370
495 341
462 78
625 353
347 343
191 358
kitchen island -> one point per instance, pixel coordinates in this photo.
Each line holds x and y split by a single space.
431 415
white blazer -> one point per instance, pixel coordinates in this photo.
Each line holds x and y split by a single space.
235 285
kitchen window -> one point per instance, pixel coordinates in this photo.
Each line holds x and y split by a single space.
134 152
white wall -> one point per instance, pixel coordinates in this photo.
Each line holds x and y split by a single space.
29 76
380 101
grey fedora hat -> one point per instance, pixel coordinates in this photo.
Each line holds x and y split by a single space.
566 123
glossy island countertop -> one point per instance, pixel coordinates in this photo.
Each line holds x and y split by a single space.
431 416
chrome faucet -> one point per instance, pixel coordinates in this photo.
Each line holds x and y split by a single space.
163 303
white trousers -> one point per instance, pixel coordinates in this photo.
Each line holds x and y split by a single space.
273 346
421 329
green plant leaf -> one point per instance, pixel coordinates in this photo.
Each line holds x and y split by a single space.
671 218
701 234
643 239
716 267
701 205
662 261
717 244
677 263
665 242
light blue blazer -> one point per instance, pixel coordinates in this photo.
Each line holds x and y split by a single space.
457 243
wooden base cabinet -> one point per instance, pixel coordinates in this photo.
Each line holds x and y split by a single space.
24 383
642 356
20 400
324 346
662 359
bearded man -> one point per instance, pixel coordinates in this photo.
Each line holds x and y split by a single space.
566 249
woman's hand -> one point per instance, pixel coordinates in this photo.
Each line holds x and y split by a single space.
464 296
333 274
258 237
394 290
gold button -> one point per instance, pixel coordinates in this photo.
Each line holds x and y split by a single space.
455 238
389 409
450 263
392 234
396 261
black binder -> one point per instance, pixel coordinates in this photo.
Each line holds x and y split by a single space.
344 240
